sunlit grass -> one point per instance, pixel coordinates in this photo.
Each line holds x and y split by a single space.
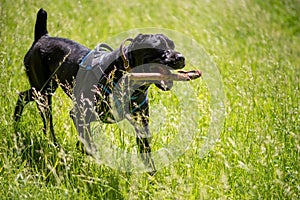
255 45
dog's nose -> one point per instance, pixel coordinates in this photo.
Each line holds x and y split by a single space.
179 58
174 59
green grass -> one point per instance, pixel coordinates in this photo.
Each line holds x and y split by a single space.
255 44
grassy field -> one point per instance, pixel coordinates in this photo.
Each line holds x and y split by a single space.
256 46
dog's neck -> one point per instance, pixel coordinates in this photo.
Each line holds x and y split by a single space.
105 58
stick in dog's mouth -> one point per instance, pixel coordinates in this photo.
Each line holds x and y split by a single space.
157 76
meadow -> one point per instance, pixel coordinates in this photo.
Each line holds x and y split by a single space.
256 47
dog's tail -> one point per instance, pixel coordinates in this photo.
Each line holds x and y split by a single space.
40 25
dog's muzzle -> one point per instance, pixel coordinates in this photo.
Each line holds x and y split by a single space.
174 59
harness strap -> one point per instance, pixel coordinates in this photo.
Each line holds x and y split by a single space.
88 61
119 103
94 58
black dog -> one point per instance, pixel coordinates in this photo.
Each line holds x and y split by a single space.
54 61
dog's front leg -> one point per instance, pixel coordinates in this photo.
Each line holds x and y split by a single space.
143 138
82 115
84 131
145 152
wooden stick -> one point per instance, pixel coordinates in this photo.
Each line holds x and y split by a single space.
181 76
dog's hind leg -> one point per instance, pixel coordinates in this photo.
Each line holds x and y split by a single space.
45 108
44 104
23 98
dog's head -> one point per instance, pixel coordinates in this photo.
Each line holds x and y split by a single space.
155 53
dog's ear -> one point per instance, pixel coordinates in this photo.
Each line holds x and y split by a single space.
169 43
138 39
134 50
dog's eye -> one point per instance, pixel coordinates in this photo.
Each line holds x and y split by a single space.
166 54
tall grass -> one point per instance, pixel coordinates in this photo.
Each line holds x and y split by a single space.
255 44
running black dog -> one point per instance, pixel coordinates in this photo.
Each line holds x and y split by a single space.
54 61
